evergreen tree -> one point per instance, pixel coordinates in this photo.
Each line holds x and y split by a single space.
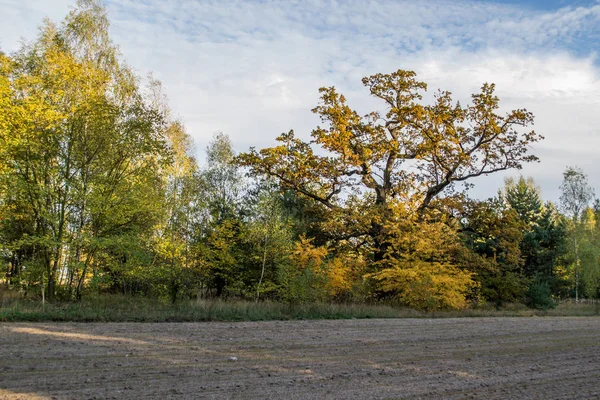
544 234
493 232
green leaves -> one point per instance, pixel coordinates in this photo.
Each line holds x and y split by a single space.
85 147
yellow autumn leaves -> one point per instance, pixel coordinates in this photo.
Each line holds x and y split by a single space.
421 268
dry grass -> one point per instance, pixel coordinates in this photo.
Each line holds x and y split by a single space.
115 308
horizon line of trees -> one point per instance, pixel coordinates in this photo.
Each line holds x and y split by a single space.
100 193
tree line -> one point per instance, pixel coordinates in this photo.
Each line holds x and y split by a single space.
100 192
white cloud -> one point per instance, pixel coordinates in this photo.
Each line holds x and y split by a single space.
20 19
252 69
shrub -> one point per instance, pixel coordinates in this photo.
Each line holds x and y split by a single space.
539 296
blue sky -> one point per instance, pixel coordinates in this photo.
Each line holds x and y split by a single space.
582 42
252 68
547 4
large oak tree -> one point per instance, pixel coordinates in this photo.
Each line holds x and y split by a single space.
356 166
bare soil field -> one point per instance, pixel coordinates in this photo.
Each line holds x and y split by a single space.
491 358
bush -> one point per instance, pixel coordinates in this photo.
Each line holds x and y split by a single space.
539 296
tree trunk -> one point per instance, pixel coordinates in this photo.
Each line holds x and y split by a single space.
378 233
576 271
72 272
174 290
220 286
82 278
80 283
262 272
50 287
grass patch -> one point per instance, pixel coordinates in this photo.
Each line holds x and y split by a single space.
135 309
128 309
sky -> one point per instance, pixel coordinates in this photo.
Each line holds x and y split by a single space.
252 68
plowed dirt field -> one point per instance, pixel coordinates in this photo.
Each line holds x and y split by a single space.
489 358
